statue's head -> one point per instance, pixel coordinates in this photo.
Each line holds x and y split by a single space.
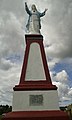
34 8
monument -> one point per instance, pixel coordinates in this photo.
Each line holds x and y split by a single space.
35 97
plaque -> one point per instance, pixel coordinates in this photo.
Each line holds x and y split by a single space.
36 100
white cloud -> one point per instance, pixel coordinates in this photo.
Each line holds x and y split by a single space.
5 64
70 92
8 80
59 27
61 80
62 77
11 45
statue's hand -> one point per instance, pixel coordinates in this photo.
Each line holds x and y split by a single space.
25 3
46 9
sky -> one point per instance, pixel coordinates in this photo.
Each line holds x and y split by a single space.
57 32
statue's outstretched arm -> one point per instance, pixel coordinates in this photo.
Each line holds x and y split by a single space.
43 13
27 9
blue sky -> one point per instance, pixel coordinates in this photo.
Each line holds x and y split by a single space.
57 32
64 66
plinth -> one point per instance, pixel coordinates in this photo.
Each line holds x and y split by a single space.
35 97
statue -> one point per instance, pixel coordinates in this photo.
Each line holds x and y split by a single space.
33 26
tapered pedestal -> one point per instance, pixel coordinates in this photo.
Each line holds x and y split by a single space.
35 90
35 98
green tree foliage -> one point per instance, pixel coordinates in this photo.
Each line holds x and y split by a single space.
5 109
68 109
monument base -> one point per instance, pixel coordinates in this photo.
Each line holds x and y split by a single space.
36 100
36 115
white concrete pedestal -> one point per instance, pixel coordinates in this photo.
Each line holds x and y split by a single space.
35 100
